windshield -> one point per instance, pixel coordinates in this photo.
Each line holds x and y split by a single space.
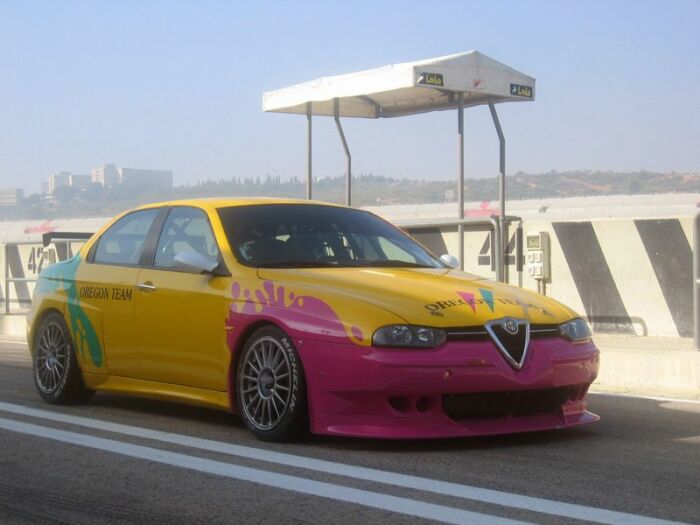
308 236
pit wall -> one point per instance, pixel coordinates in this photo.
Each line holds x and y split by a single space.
630 276
625 275
23 261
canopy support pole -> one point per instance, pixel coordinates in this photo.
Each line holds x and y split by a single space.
500 246
309 178
348 157
460 176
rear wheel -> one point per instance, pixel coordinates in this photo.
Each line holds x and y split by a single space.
270 387
56 373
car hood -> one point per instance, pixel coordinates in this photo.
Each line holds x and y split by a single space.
430 297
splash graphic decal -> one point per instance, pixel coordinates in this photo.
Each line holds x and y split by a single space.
61 278
487 295
301 311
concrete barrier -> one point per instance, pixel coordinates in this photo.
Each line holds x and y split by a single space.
13 325
664 366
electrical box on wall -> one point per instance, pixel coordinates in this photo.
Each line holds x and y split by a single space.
537 255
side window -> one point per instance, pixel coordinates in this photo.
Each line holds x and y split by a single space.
186 229
123 241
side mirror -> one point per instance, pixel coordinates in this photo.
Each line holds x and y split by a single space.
450 260
193 262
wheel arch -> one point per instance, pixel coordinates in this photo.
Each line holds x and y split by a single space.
36 323
237 351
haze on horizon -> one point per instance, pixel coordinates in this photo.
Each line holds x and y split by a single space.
178 86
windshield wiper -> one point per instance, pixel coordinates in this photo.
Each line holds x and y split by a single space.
298 264
376 263
390 263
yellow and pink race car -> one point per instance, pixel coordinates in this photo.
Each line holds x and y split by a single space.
304 316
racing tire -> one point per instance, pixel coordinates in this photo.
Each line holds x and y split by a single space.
57 376
270 387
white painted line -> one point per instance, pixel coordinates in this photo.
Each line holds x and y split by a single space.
651 398
410 507
505 499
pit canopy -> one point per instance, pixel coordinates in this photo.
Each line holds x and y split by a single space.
448 82
407 89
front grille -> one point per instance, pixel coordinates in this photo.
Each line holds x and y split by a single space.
513 346
511 403
479 333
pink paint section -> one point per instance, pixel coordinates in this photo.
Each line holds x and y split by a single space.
302 313
353 388
469 299
302 317
350 391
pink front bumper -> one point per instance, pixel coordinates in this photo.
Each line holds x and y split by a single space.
387 393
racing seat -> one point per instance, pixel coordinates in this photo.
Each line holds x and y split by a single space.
268 251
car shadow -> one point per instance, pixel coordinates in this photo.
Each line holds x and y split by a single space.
520 440
156 407
622 418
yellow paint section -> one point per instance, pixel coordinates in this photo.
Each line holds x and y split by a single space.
426 297
158 390
180 332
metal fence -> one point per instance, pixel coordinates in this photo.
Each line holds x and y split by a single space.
490 224
11 281
22 262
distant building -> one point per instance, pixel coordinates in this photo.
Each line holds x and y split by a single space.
59 180
80 181
139 178
11 197
66 179
107 175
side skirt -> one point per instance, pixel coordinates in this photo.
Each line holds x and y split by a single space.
157 390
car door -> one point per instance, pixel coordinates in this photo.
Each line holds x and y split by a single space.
182 315
107 287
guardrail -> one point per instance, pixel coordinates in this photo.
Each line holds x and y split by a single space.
8 276
696 280
23 261
491 224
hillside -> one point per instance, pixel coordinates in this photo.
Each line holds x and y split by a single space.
368 189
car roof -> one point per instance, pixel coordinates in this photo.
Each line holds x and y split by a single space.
212 203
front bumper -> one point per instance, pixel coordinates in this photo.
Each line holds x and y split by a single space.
400 393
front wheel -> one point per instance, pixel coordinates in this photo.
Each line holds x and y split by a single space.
56 373
270 387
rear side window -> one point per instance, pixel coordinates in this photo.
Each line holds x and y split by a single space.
123 241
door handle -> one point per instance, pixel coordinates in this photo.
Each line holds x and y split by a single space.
147 286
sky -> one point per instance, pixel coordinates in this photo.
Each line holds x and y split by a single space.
178 85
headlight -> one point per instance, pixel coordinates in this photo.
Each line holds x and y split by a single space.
575 330
408 336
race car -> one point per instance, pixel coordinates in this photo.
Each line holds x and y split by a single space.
302 316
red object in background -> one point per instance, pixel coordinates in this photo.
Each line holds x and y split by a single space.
482 211
45 227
